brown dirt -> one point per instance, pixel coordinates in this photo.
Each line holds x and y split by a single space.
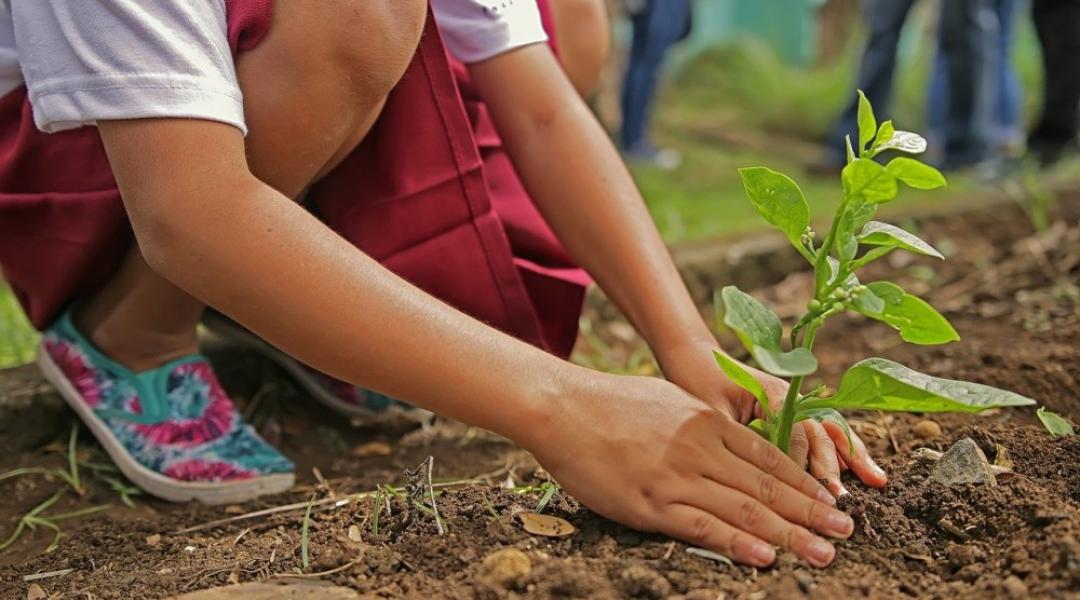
1016 303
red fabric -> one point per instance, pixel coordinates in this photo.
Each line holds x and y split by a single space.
429 193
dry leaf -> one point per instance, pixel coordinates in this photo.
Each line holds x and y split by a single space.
153 540
1001 457
372 449
546 525
36 593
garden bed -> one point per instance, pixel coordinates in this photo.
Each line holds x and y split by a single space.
1014 298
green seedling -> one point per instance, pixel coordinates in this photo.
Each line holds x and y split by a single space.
1054 423
854 240
305 556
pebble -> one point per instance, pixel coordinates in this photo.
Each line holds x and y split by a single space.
962 464
1014 587
506 567
927 430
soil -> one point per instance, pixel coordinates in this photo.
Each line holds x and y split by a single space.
1013 296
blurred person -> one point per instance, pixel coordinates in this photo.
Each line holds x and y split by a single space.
1057 23
583 40
968 36
1005 128
657 26
974 93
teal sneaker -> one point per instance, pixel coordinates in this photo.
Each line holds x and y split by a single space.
172 431
363 407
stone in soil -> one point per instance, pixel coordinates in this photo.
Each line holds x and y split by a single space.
927 430
963 464
506 567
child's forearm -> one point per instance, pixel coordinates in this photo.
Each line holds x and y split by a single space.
579 183
240 246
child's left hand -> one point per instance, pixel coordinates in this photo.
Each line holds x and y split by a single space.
821 446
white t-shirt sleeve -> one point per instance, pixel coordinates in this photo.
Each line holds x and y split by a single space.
90 60
476 30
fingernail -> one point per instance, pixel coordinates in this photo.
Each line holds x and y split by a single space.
763 554
876 470
844 491
824 496
839 523
821 552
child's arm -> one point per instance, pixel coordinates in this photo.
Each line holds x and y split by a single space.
662 460
579 183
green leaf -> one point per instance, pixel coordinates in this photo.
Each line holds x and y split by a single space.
868 303
867 122
778 200
917 321
828 414
880 384
876 233
915 174
850 150
884 133
868 180
902 141
761 428
1054 423
742 378
759 330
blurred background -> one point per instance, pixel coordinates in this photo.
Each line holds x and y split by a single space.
692 90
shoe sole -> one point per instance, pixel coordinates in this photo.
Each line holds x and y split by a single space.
231 332
153 483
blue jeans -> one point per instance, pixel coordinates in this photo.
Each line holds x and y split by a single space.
658 27
972 58
884 20
1004 126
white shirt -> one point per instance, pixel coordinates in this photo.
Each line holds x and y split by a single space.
86 60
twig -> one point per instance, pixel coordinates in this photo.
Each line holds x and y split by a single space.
431 494
319 574
47 575
888 430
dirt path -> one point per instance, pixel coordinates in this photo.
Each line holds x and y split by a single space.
1016 304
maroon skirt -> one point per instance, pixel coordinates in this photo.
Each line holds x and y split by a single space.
430 193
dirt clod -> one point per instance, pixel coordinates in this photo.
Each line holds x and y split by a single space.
506 567
927 430
642 582
1015 587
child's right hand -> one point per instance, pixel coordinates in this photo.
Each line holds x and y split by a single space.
645 453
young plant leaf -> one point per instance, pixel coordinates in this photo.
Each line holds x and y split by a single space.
917 321
759 330
880 384
849 149
742 378
869 181
828 414
884 133
868 303
876 233
867 123
761 427
778 200
915 174
902 141
1054 423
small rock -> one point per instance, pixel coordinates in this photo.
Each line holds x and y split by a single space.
36 593
643 582
704 595
153 540
962 555
355 534
927 430
1014 587
805 581
506 567
372 449
962 464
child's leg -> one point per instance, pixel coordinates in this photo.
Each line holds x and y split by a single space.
313 88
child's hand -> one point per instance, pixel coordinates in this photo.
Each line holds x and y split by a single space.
645 453
821 446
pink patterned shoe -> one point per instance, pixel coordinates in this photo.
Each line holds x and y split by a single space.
172 430
362 406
